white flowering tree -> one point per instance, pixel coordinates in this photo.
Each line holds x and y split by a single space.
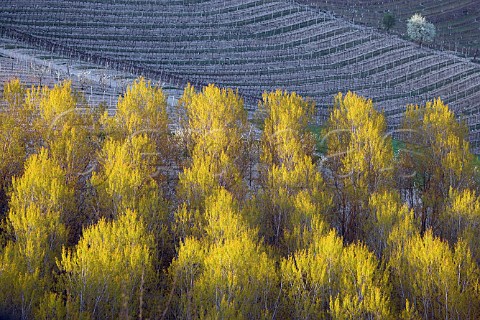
419 29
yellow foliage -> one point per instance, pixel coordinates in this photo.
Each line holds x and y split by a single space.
439 282
368 153
43 185
214 127
12 150
461 219
38 201
237 280
183 271
234 278
142 107
216 121
125 179
51 307
120 267
293 191
106 271
25 288
51 116
285 139
204 177
141 110
360 156
14 94
57 101
226 274
385 212
309 276
223 221
364 291
328 279
442 158
15 130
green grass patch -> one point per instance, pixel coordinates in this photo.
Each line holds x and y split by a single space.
321 146
316 130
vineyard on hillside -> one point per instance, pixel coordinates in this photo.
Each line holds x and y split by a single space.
32 67
457 21
242 159
252 45
98 85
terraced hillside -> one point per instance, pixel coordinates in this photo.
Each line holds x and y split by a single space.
457 21
39 67
252 45
35 67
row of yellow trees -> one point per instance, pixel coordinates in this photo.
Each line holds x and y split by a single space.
121 217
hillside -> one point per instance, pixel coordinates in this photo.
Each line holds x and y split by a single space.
36 67
457 21
98 85
242 159
252 45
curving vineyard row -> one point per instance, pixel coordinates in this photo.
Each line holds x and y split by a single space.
456 20
253 45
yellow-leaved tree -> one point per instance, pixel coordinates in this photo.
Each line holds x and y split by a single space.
329 280
221 270
431 278
214 131
14 94
71 137
441 158
359 160
226 274
38 201
293 191
142 110
126 181
105 275
385 210
135 161
67 130
14 133
460 220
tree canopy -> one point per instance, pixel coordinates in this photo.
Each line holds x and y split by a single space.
118 216
419 29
